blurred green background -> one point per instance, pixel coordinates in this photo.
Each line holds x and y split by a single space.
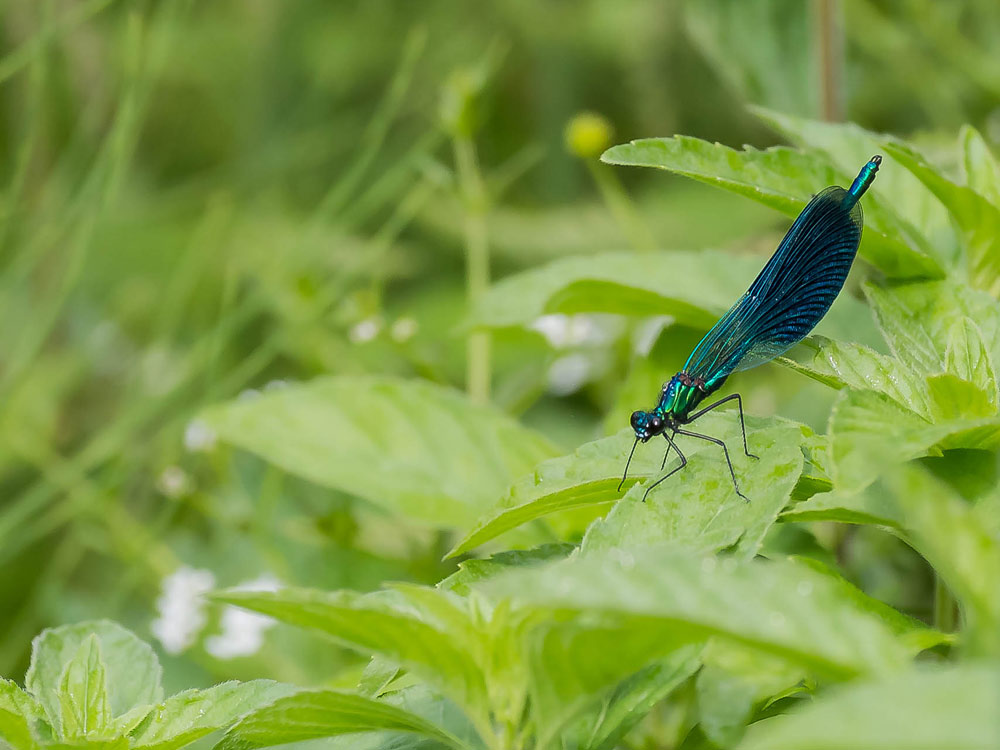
204 200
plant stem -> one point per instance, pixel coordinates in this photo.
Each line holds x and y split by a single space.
477 262
944 606
830 47
621 206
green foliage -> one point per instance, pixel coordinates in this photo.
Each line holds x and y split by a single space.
785 180
568 644
309 715
414 448
95 684
930 707
244 290
695 288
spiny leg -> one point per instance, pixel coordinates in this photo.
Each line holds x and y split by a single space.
720 402
725 450
670 473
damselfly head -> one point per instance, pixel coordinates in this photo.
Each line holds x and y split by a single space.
647 424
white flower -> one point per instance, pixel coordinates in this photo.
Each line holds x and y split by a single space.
199 437
242 631
365 330
567 374
181 608
565 330
174 482
403 330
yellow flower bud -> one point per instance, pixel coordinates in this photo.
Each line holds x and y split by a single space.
588 135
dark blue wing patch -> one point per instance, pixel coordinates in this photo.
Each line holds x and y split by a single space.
790 295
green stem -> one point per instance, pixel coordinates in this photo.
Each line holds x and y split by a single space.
621 206
944 606
477 262
829 44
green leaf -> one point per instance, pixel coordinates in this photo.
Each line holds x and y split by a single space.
694 287
83 694
917 320
472 572
976 217
785 180
18 711
592 474
864 507
588 476
906 331
947 531
968 358
577 665
914 209
601 725
917 635
870 433
953 399
952 707
776 607
698 507
371 625
732 681
186 716
326 713
377 676
413 447
847 365
132 669
982 171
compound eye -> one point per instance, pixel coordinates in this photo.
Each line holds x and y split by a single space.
637 419
655 424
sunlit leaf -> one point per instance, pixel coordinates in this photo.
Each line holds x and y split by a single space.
977 218
326 713
953 398
785 180
186 716
982 171
848 365
18 711
698 507
83 694
917 320
968 358
776 607
871 433
410 446
371 625
703 490
946 707
132 669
